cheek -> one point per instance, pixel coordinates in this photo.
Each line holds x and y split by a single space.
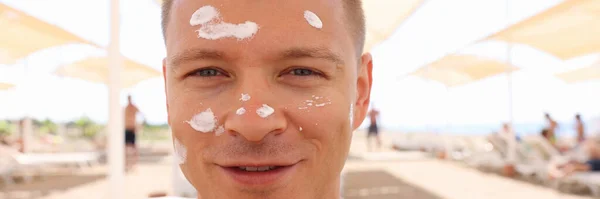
325 119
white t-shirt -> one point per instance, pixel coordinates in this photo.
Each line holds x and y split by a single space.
171 197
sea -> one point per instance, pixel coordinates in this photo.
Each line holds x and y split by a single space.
566 129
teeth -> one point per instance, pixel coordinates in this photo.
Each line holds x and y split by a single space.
263 168
260 169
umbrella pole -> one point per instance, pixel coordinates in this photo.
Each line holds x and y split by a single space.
509 169
116 148
27 125
509 71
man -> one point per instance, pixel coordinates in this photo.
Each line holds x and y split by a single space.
131 111
592 164
299 68
373 129
552 127
580 129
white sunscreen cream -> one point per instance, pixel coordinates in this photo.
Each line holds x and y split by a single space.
180 152
240 111
245 97
204 122
265 111
213 27
313 19
204 15
223 30
220 130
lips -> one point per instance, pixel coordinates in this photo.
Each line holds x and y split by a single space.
258 169
263 174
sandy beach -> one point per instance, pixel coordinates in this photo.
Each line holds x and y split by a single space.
383 174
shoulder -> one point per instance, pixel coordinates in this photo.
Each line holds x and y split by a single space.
170 197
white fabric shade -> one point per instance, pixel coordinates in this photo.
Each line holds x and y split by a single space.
96 70
570 29
23 34
457 70
5 86
582 74
383 17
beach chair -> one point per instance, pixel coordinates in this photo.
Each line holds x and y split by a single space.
79 159
484 155
7 167
10 167
552 158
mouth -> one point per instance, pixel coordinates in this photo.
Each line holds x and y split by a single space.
258 169
259 174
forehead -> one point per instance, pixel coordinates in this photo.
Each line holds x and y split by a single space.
281 25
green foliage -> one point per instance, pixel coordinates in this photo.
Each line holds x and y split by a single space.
7 128
155 132
48 127
88 128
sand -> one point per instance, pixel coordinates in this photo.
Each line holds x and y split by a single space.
381 175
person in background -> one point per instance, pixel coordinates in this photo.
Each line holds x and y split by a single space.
580 129
591 165
131 151
551 127
510 138
373 129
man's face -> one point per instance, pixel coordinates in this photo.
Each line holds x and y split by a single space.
310 77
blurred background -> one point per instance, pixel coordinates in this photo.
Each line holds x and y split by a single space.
483 93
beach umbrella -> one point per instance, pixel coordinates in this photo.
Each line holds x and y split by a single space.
457 70
96 69
383 17
5 86
116 73
23 34
567 30
588 73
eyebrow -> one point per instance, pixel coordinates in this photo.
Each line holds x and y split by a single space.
293 53
195 54
318 53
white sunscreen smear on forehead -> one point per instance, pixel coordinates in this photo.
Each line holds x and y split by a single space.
245 97
213 27
180 152
204 15
240 111
204 122
265 111
223 30
313 19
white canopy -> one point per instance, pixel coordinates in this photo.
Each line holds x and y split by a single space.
570 29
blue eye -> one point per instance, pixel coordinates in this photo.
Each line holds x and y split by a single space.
302 72
209 72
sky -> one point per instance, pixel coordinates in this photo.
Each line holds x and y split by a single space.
438 28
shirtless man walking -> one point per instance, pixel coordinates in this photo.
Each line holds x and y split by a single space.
131 152
373 129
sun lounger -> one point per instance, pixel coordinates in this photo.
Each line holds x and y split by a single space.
7 167
79 159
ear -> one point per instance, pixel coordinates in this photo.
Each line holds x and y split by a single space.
363 89
164 70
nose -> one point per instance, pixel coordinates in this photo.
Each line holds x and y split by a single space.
262 118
